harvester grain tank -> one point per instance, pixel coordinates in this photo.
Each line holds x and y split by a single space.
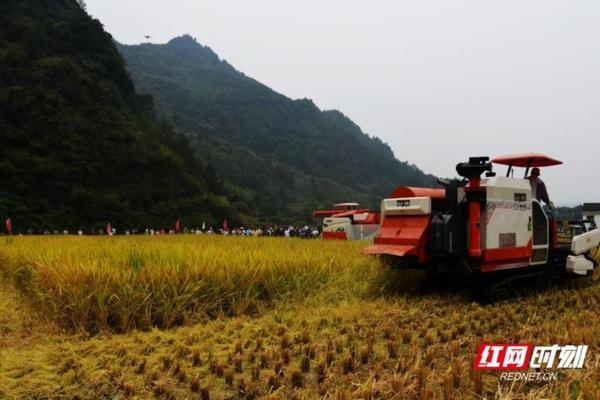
481 226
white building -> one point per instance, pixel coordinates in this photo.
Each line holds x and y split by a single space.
591 211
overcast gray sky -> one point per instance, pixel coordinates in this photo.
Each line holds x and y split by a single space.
439 80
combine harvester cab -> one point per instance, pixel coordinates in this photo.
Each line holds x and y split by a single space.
480 226
348 222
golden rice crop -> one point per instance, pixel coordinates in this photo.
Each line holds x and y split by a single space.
120 283
596 255
342 342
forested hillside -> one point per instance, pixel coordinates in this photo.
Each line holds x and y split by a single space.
79 147
288 155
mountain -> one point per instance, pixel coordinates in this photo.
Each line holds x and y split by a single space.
288 155
78 146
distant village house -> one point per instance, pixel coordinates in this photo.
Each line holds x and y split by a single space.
591 211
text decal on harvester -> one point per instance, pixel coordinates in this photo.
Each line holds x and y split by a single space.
510 357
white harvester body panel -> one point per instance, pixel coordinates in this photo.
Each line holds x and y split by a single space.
579 265
506 222
585 242
362 231
408 206
352 231
333 224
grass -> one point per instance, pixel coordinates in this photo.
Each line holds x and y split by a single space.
351 334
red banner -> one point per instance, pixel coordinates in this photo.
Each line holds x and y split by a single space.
8 226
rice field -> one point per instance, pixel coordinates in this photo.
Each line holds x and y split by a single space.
188 317
125 283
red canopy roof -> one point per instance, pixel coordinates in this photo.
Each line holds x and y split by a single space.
339 213
527 160
346 205
405 191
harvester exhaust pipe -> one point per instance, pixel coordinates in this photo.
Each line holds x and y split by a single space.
472 171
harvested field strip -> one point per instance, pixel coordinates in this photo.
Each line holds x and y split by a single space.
413 347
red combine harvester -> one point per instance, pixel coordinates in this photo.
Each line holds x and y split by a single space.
486 228
348 222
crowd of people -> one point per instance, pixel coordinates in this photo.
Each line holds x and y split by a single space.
304 232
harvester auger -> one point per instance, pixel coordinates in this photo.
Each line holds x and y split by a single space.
485 231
